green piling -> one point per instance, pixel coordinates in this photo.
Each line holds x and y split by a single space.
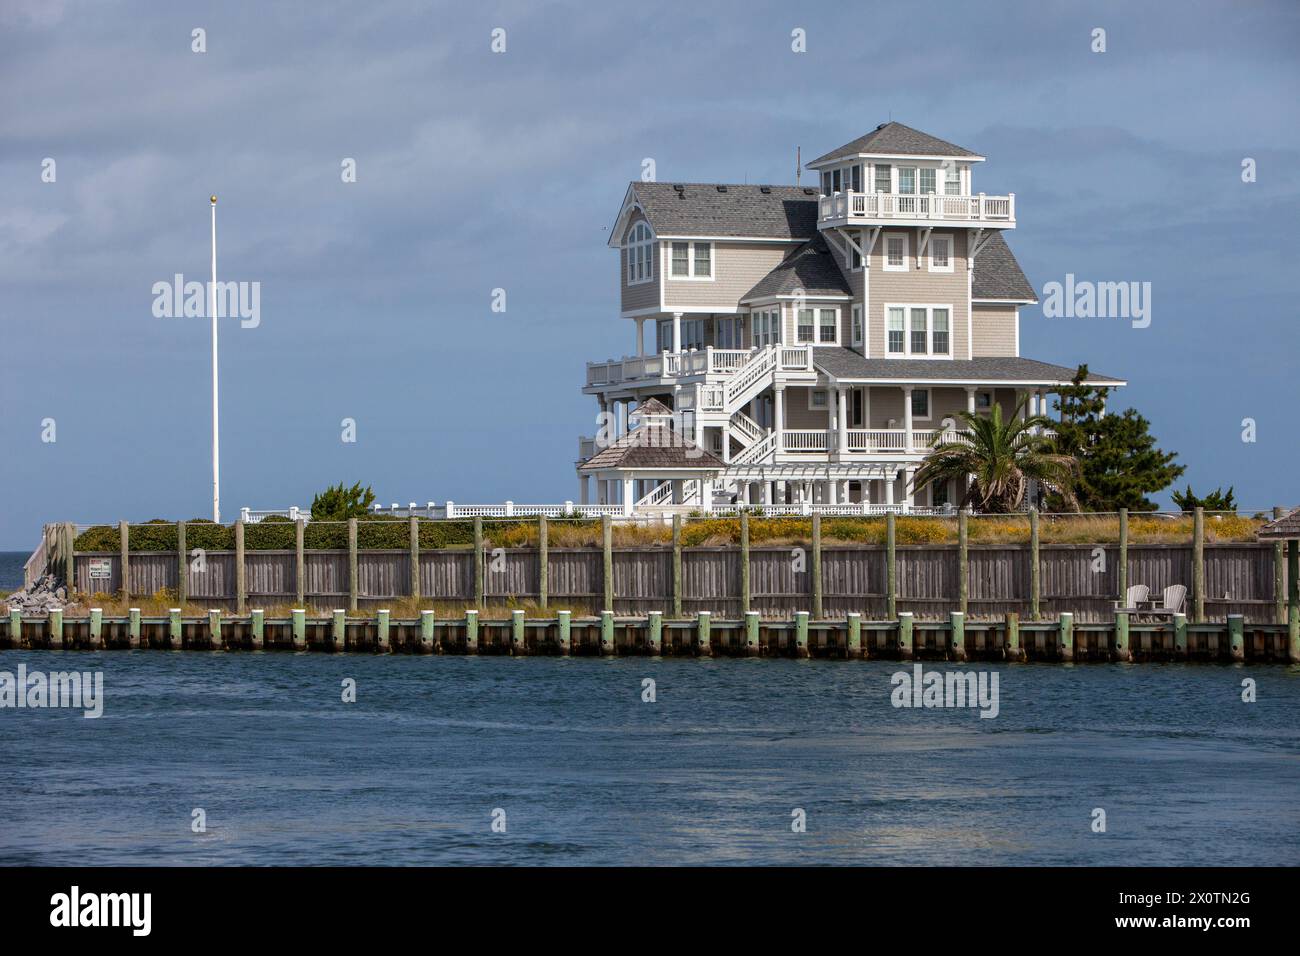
54 627
471 631
1237 637
1011 649
655 632
565 626
339 630
817 567
1180 636
15 627
1122 649
957 635
381 630
905 648
752 648
214 629
891 566
1035 567
677 566
607 647
1066 642
133 628
854 639
517 644
426 630
801 634
257 624
704 639
175 629
298 616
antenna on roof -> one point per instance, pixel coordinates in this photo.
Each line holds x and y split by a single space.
798 164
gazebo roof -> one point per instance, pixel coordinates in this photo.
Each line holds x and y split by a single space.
654 447
1286 527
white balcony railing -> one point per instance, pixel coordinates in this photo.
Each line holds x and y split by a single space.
805 440
696 362
928 207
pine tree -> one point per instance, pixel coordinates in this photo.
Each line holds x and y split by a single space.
1119 461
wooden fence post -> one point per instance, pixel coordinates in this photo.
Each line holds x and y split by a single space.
1279 575
677 566
1122 570
70 557
414 544
182 565
241 582
1293 599
124 565
963 561
817 567
352 564
744 563
1198 565
300 561
1035 584
607 561
543 562
478 561
891 566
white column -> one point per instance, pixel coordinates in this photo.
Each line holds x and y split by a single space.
889 488
909 495
970 399
842 419
677 491
640 337
582 489
767 492
677 331
907 418
706 495
832 492
778 416
726 443
628 498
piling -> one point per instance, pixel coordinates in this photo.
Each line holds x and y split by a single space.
426 630
1237 637
478 561
677 566
133 628
801 634
413 543
1011 649
175 630
257 625
124 560
905 635
607 633
891 566
182 565
1066 639
339 629
1198 564
963 561
298 616
15 627
300 561
96 627
655 632
1293 601
543 561
854 640
1122 651
471 631
241 581
214 629
517 632
54 626
817 567
703 637
1180 636
751 634
1035 570
381 631
744 563
607 559
352 564
565 627
957 635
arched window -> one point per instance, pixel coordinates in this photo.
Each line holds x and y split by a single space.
640 245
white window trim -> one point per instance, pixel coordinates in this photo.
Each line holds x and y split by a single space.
929 330
630 245
951 256
819 408
816 310
884 251
690 263
929 405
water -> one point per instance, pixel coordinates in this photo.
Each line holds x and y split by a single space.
11 570
589 774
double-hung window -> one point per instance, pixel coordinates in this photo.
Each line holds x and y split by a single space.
952 180
941 253
640 254
927 181
681 258
857 325
692 260
817 326
805 330
767 327
827 320
896 252
883 180
907 180
920 403
939 341
895 331
918 330
703 260
920 341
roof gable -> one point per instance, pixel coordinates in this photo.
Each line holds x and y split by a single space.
895 139
998 275
726 210
812 268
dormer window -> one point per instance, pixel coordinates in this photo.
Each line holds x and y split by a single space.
640 254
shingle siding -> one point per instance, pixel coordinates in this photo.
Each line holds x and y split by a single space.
993 329
737 268
918 286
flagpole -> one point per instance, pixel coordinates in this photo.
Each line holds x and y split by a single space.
212 310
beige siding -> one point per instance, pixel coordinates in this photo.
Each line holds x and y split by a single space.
994 329
797 413
920 286
737 268
886 402
643 295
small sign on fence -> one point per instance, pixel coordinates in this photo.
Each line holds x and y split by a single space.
101 568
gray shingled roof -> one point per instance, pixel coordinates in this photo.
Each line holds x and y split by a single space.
812 267
998 275
842 363
1285 527
653 446
896 139
704 209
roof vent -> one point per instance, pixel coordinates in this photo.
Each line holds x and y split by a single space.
882 126
765 190
809 192
722 189
679 187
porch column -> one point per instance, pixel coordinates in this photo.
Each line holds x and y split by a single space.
677 331
909 494
1042 403
889 488
767 492
726 442
677 491
907 419
832 492
706 495
842 419
628 497
778 416
970 399
582 489
640 337
779 489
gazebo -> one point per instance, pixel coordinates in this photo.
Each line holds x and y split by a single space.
1287 528
654 458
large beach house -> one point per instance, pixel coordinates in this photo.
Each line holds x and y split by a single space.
801 346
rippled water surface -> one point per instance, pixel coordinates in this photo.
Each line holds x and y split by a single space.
588 773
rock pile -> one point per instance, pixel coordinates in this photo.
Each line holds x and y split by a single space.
48 592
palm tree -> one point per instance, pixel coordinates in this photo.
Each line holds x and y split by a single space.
995 461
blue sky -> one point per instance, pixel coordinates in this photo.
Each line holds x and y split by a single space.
479 170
